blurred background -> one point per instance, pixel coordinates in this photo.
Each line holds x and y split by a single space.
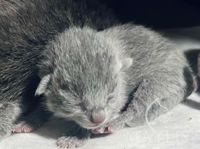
158 14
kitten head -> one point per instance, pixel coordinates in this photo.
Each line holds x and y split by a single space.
83 77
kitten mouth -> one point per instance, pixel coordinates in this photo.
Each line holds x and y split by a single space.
93 126
98 131
102 130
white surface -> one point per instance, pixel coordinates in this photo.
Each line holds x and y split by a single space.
178 129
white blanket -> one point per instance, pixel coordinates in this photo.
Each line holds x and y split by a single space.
178 129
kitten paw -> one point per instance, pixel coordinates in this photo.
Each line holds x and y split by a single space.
22 127
70 142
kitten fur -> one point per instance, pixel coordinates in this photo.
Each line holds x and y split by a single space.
26 26
83 65
132 73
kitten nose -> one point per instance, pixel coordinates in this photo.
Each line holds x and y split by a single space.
98 115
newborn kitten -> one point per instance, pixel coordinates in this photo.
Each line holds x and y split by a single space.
92 73
118 77
26 27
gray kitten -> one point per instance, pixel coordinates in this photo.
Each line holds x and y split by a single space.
26 27
122 76
116 77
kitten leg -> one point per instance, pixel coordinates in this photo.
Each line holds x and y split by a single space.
9 112
32 121
153 97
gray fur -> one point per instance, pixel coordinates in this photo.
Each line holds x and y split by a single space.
142 72
26 26
8 113
85 72
122 69
158 79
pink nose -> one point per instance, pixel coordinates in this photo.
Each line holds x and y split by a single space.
98 115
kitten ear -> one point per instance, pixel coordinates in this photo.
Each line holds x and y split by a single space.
126 63
42 85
